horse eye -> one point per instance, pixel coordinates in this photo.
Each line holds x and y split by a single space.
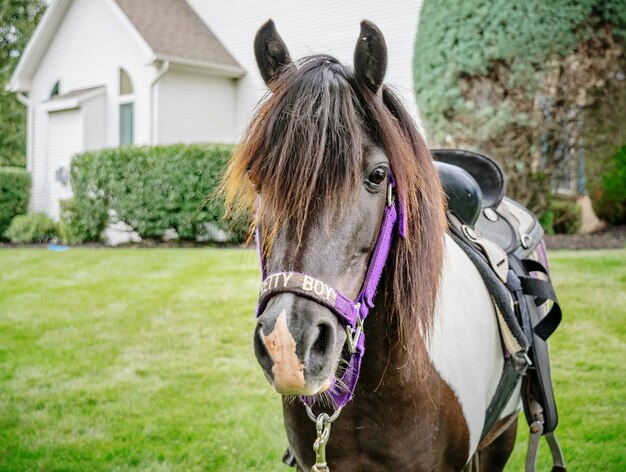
377 176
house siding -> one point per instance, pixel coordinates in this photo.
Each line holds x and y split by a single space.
322 26
95 123
87 51
195 107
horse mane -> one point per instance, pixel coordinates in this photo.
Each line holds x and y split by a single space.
304 147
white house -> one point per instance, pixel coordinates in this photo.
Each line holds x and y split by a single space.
100 73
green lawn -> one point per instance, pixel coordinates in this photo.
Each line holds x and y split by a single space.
142 359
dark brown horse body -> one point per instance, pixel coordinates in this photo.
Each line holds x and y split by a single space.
391 424
417 429
315 168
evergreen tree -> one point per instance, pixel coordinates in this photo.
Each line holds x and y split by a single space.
18 19
514 80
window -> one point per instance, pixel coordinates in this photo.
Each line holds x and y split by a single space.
56 89
127 109
127 121
126 86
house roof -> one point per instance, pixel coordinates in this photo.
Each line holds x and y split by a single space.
73 99
170 30
173 31
78 93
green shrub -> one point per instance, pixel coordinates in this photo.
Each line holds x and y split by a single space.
151 189
86 217
546 220
504 78
32 228
75 228
610 204
460 38
14 188
562 217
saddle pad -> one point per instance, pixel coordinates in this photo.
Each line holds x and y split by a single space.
512 335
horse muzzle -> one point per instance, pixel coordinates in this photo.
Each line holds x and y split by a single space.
298 344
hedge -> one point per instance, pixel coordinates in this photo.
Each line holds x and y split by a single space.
458 38
14 189
152 189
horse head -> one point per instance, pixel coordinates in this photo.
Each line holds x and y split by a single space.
317 166
299 342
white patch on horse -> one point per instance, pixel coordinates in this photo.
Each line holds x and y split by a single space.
288 370
465 345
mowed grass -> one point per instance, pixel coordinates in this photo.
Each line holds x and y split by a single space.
142 360
588 355
132 359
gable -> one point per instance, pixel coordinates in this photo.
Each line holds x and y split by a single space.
321 26
87 49
167 30
174 31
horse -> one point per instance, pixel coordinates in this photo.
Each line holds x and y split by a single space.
330 157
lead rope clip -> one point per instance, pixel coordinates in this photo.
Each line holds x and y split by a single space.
322 426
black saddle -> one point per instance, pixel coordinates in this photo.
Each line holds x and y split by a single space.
500 236
462 191
474 186
485 171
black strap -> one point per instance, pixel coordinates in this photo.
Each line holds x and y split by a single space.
542 290
534 266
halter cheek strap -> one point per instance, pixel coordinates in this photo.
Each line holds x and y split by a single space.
351 313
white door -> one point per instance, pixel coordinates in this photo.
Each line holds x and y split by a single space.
65 138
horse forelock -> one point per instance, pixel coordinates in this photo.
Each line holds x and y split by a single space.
304 147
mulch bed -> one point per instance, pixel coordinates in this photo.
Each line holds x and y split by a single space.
612 237
146 243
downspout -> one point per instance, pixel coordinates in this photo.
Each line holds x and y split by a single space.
165 65
30 137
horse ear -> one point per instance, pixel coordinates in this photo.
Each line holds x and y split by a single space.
370 56
270 51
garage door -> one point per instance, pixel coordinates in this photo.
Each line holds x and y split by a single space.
65 138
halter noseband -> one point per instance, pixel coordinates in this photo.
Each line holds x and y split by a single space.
351 313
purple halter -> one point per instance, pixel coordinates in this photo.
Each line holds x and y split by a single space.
351 313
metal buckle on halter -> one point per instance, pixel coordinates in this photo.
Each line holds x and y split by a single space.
352 335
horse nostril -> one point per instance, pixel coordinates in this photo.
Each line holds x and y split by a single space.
260 350
321 349
321 343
